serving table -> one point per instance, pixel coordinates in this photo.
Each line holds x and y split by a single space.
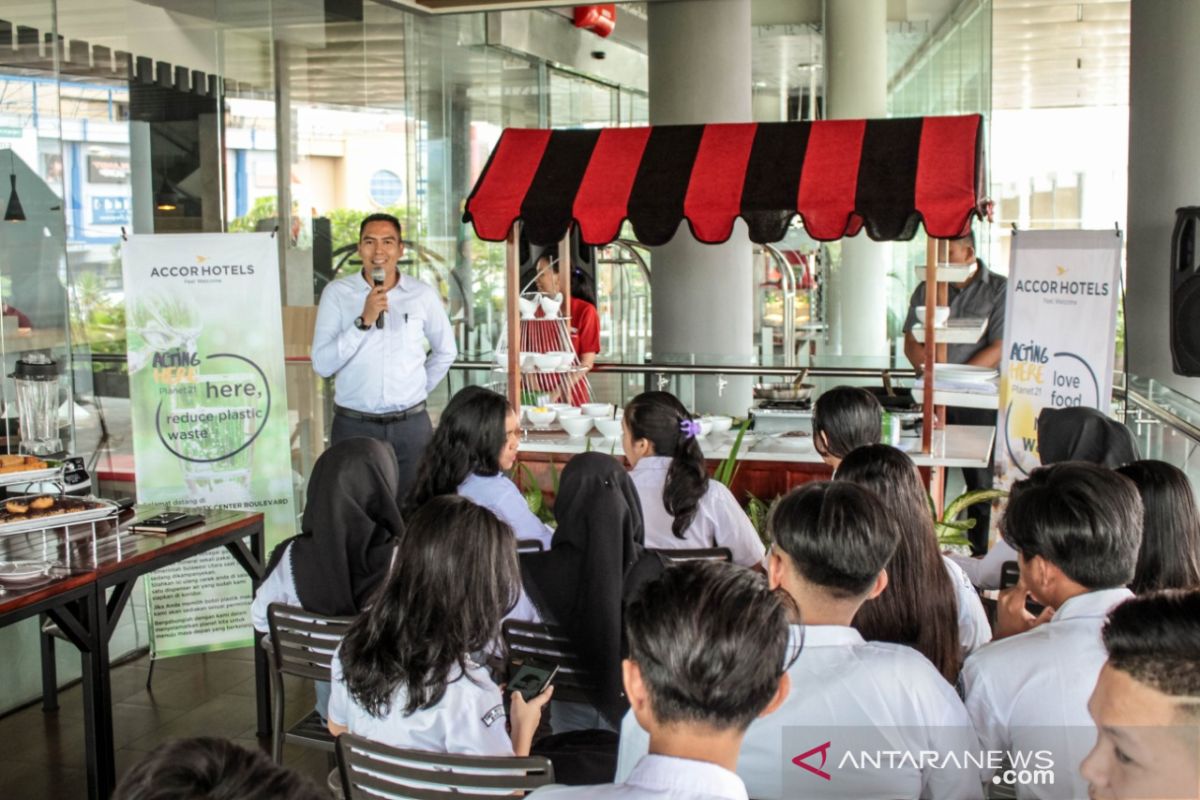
86 602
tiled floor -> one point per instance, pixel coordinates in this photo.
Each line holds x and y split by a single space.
42 756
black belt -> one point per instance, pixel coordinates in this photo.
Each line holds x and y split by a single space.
382 419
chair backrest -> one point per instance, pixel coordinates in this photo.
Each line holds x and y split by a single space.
698 554
302 643
530 546
574 681
372 770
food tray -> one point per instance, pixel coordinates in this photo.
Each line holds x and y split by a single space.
31 475
101 509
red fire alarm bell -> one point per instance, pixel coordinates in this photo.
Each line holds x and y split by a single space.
600 18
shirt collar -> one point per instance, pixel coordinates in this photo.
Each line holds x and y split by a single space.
1091 604
827 635
685 776
653 464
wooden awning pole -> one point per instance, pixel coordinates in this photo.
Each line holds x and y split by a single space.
512 314
931 295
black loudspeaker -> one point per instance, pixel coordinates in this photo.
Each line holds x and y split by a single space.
1185 293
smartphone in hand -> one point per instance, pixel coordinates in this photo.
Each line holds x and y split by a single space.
532 677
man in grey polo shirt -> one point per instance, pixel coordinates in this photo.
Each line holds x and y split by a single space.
979 296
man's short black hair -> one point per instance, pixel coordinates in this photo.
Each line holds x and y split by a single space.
836 534
711 641
210 767
968 237
381 217
1083 518
1155 639
850 417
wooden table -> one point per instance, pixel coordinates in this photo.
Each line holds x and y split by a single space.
110 560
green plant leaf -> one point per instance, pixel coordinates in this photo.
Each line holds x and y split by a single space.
727 469
533 492
968 499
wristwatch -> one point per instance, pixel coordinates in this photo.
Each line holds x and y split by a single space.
362 326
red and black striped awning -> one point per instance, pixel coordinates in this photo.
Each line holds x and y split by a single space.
886 175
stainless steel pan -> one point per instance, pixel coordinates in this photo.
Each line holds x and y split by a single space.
793 392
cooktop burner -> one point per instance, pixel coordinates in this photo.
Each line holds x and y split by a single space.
785 405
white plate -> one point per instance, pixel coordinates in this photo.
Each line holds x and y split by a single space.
30 476
965 372
799 444
24 571
108 509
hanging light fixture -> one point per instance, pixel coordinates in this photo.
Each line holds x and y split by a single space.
166 198
14 212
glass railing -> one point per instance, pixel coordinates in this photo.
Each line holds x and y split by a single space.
1165 422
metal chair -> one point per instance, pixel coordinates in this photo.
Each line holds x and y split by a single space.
698 554
372 770
530 546
301 643
574 681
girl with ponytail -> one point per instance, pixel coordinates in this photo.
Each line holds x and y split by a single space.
682 507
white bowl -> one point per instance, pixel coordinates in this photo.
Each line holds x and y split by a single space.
597 409
940 315
550 305
546 362
559 406
575 426
706 426
528 306
540 415
720 424
609 428
567 357
568 411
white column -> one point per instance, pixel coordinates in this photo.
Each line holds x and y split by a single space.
1164 173
702 294
855 88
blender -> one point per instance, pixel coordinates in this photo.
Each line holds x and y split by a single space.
36 378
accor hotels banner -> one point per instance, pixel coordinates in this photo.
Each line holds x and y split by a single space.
209 413
1060 336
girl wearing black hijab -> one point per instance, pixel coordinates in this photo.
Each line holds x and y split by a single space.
580 583
344 548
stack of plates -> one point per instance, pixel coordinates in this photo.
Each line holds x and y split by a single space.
965 372
24 573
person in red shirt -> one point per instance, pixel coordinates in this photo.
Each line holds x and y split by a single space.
585 323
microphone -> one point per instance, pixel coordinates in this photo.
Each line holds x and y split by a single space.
378 276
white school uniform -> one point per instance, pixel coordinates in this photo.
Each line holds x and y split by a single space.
974 630
277 587
498 494
660 778
719 520
1030 691
846 690
468 720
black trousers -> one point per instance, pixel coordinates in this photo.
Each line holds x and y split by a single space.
976 478
407 437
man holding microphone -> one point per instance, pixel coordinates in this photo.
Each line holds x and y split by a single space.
370 336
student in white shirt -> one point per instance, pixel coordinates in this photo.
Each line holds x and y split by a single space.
928 606
682 506
403 674
844 418
475 443
831 542
370 336
1076 528
708 650
1146 704
347 537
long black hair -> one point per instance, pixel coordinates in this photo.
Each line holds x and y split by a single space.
455 576
919 608
1170 554
581 282
657 416
849 417
467 440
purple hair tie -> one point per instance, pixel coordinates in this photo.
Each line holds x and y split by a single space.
690 428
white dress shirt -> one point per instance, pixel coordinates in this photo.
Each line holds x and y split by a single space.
468 720
974 630
278 587
661 778
498 494
849 692
1030 691
985 572
382 371
719 520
